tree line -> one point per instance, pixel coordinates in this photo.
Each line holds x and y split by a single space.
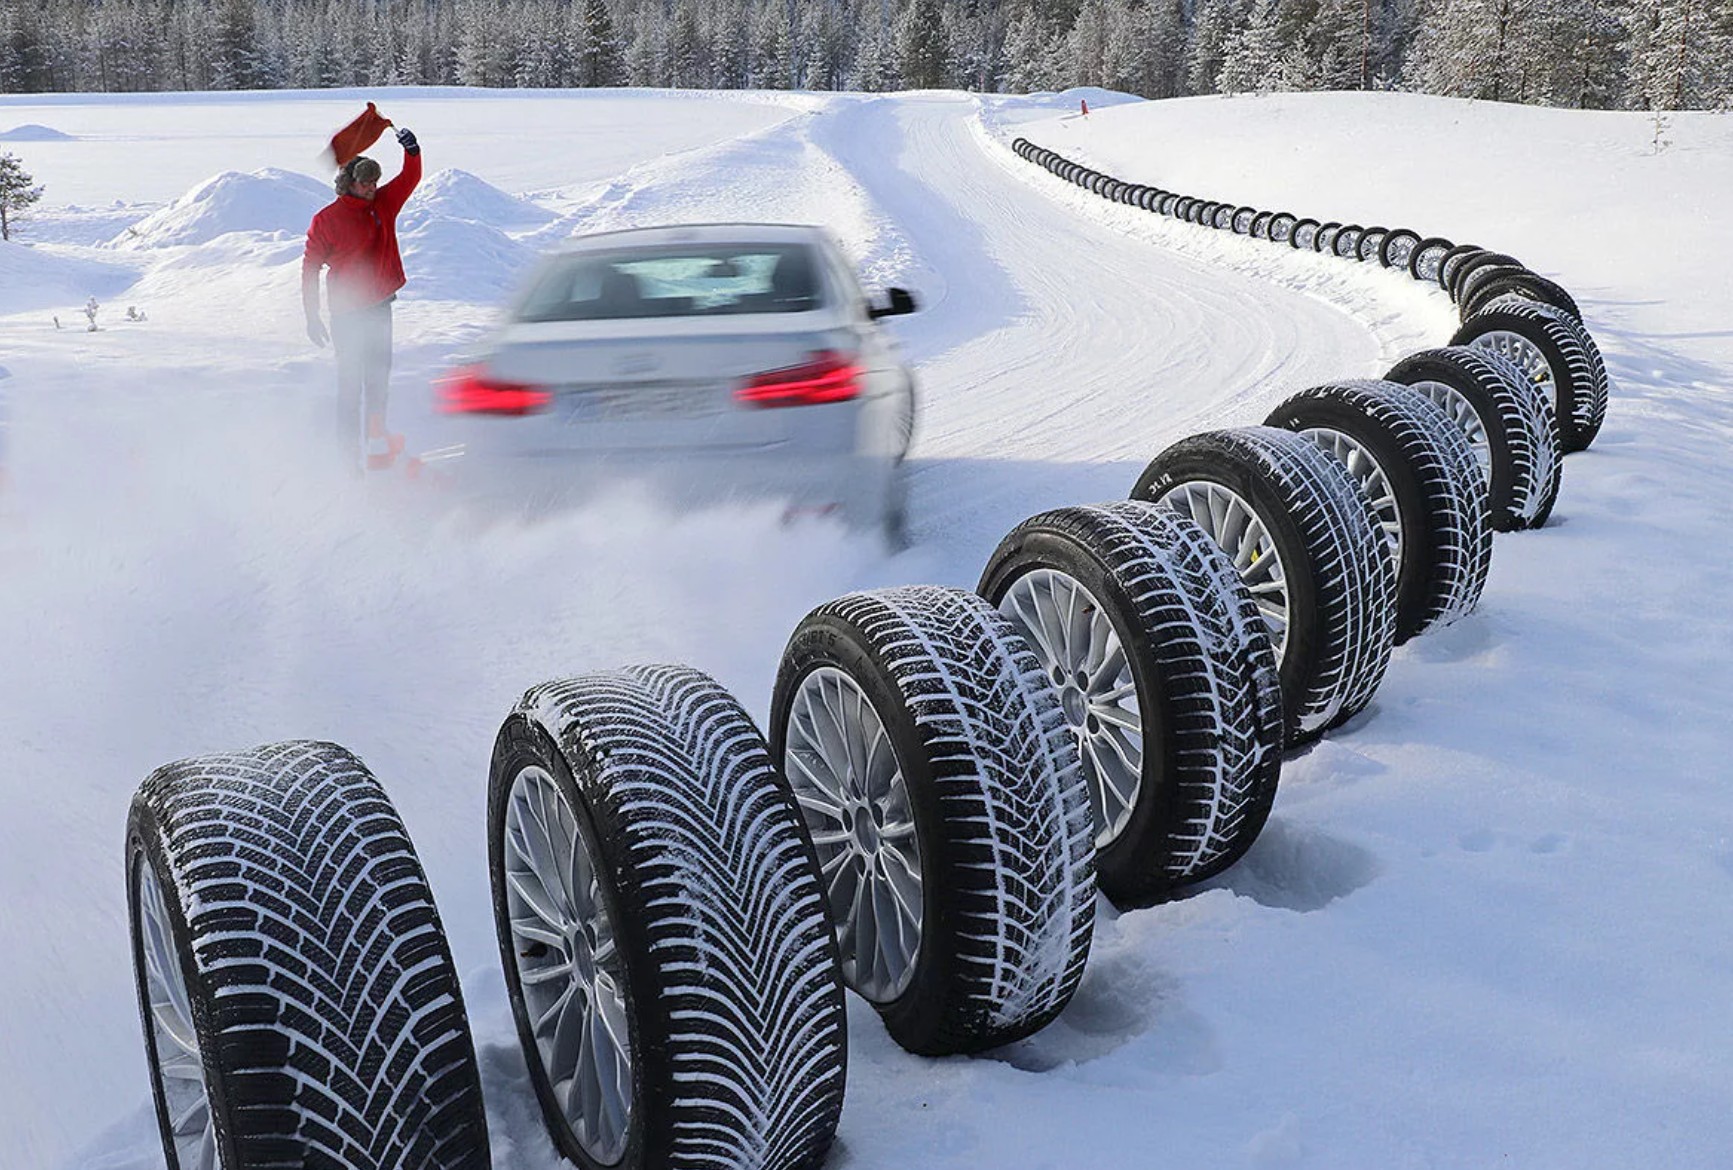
1597 54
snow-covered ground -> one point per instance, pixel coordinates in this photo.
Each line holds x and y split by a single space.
1491 921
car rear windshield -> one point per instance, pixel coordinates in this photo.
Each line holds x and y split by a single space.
677 281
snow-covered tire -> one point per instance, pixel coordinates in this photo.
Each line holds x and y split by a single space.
1181 208
1265 493
1303 236
1169 685
1346 243
662 927
1426 256
1243 217
1508 424
1420 475
1325 241
1149 198
1553 351
299 1001
1487 286
1166 204
1398 244
1222 219
940 779
1465 269
1371 244
1281 227
1259 229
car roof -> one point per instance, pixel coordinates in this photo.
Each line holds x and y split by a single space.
698 233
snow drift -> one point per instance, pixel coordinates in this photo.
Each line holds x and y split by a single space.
266 200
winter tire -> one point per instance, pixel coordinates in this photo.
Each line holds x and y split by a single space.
1168 202
299 1002
1508 424
1371 244
1427 255
1181 208
662 926
1304 235
1203 213
1421 478
1243 217
1281 228
1397 246
1325 240
1555 353
1452 260
1347 242
1222 219
1486 286
1469 265
949 809
1150 198
1167 678
1309 548
1260 226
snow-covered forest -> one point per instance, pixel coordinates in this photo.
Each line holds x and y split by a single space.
1602 54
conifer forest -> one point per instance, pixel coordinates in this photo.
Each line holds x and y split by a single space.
1597 54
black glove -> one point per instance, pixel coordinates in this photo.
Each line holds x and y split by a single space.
406 139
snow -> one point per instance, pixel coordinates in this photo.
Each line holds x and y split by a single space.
265 200
1489 921
30 132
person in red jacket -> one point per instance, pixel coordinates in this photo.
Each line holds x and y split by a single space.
356 238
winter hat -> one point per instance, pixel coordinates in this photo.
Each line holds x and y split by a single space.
359 169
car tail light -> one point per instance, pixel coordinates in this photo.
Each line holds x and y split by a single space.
826 376
470 391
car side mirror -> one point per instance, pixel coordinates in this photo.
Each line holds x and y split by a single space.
897 302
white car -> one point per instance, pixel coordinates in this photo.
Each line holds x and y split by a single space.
709 361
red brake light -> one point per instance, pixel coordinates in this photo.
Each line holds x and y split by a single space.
827 377
470 391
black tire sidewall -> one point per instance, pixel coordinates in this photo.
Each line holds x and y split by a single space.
1121 871
523 742
920 1013
1419 541
1305 620
144 840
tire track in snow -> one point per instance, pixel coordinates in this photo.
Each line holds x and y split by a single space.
1057 355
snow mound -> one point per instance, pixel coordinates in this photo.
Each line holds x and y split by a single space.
31 132
460 260
33 279
267 200
457 194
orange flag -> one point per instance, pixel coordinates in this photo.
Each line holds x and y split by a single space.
358 135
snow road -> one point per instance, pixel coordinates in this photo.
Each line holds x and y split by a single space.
1489 919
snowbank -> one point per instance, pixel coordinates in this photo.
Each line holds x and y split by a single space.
460 260
265 200
31 132
31 278
456 194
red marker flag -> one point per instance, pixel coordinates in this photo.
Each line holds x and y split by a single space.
358 135
1085 102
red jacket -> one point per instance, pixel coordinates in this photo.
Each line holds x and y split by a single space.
357 239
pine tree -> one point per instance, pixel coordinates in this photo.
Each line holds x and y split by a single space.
18 190
923 46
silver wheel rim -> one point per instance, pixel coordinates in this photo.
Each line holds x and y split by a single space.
1240 531
846 776
1525 355
175 1059
569 964
1085 660
1369 474
1455 404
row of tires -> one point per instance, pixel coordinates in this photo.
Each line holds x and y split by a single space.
947 780
1528 318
